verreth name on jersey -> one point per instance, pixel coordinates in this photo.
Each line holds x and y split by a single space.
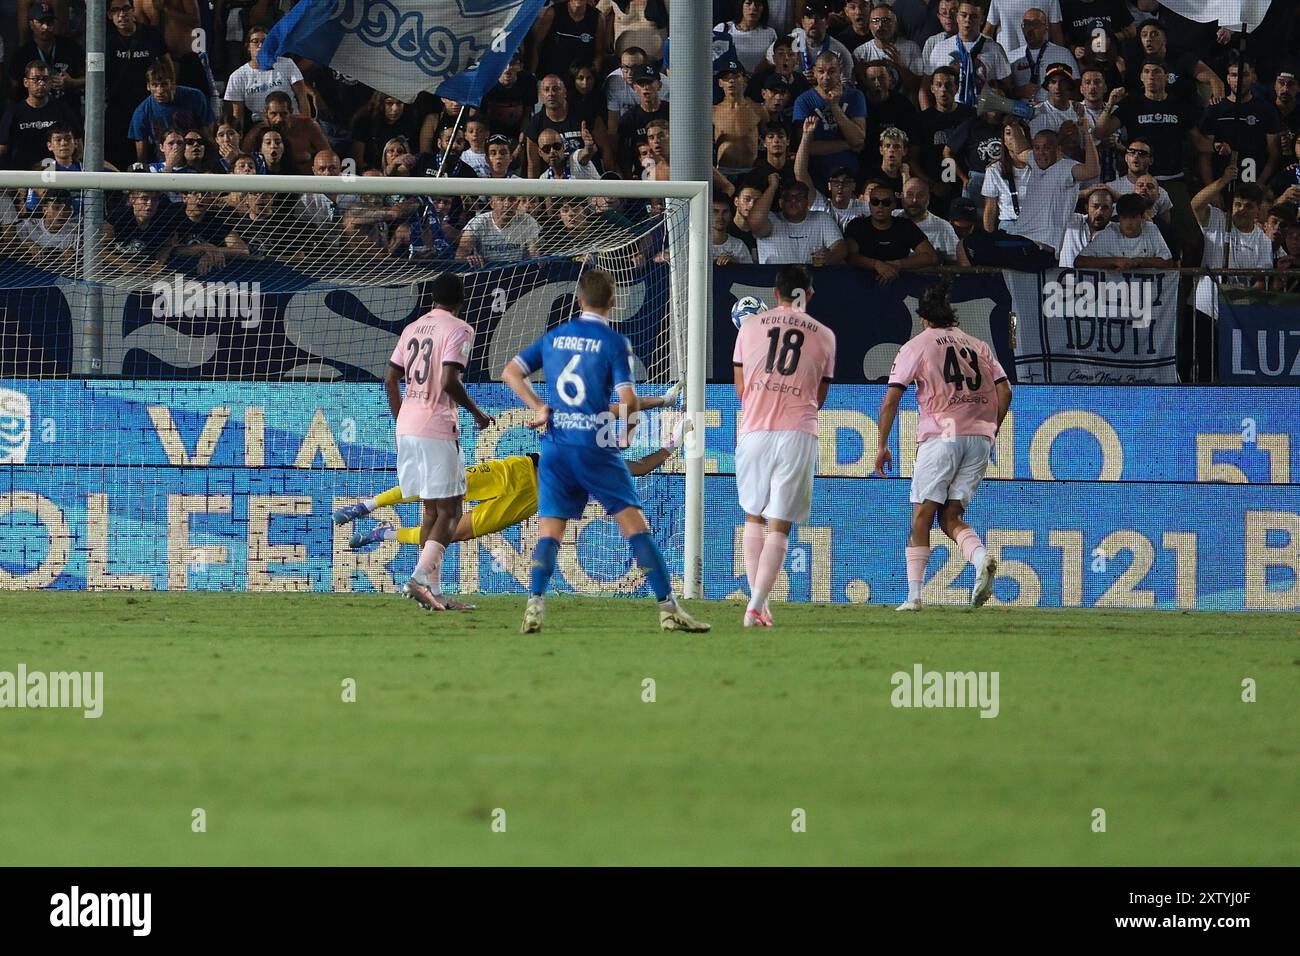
576 343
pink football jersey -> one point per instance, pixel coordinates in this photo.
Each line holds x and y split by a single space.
435 339
955 375
786 355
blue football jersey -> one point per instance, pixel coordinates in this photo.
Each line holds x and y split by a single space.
586 361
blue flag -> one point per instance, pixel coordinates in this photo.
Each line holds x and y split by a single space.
455 48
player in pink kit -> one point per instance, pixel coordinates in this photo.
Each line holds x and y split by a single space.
431 354
963 396
784 361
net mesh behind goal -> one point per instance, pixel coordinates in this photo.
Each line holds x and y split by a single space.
185 401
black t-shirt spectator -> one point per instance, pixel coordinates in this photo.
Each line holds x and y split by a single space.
507 108
1081 17
1164 125
132 238
569 41
745 236
343 97
871 172
754 88
976 143
125 65
570 128
889 245
633 125
211 230
1180 79
758 176
936 130
376 135
850 37
426 164
1189 37
23 129
64 56
1258 121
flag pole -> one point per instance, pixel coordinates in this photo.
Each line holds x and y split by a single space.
1236 139
455 128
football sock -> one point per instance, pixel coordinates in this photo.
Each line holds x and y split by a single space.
970 545
647 556
404 535
917 559
769 566
752 543
390 497
429 569
543 564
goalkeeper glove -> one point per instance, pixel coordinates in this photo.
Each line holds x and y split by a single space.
670 397
674 441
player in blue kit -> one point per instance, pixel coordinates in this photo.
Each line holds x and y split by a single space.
585 361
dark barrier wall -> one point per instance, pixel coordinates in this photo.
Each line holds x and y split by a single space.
870 320
1116 497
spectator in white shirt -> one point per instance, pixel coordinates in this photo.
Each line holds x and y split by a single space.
1138 159
1007 21
811 39
750 34
1057 110
474 155
1034 55
977 59
1131 243
561 165
247 87
502 235
902 56
838 200
620 96
322 208
1080 229
916 207
795 234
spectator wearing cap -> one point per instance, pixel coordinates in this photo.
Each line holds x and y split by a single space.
1058 109
901 56
1288 110
884 243
1183 71
750 35
783 64
633 125
737 121
838 200
841 113
812 38
1035 56
778 99
795 234
1244 124
916 207
65 58
978 59
620 95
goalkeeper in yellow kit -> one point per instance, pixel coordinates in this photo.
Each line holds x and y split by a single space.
503 492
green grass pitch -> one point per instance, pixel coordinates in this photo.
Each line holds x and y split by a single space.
233 704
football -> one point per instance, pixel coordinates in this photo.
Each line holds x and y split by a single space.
744 308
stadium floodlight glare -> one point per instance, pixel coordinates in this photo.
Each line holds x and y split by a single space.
660 258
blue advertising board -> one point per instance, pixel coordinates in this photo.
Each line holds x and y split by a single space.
1124 496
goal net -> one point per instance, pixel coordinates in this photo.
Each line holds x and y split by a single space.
190 369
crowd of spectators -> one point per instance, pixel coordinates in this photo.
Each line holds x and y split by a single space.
845 131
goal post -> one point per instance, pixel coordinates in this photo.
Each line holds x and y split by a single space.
94 276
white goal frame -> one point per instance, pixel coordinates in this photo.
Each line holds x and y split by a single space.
695 194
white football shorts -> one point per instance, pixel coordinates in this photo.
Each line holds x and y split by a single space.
950 469
774 474
430 467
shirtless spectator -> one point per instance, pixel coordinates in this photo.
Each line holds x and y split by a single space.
737 121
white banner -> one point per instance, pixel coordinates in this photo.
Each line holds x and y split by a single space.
1091 327
1230 13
